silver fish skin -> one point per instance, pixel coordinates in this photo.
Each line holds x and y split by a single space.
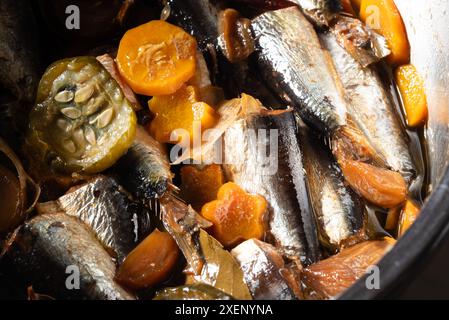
320 12
371 108
292 61
43 248
279 178
365 45
339 212
117 221
360 41
264 271
145 169
426 26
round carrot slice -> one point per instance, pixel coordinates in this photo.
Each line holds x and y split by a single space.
156 58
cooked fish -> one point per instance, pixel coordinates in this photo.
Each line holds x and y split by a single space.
294 63
48 249
339 212
117 221
363 43
264 271
145 169
320 12
299 70
360 41
371 108
278 177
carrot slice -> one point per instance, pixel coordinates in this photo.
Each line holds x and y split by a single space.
408 217
391 224
384 17
150 262
236 215
156 58
411 86
180 110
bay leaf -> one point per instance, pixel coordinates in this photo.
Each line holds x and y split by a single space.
220 269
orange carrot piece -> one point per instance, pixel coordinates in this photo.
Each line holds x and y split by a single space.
236 215
156 58
411 87
180 110
391 224
408 217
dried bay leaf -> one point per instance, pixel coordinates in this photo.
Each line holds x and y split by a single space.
220 269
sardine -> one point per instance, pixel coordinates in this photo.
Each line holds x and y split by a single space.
50 251
294 63
340 213
426 25
363 43
320 12
117 221
145 169
372 110
279 178
299 70
264 271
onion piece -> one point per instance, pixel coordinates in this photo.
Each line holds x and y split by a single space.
28 191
